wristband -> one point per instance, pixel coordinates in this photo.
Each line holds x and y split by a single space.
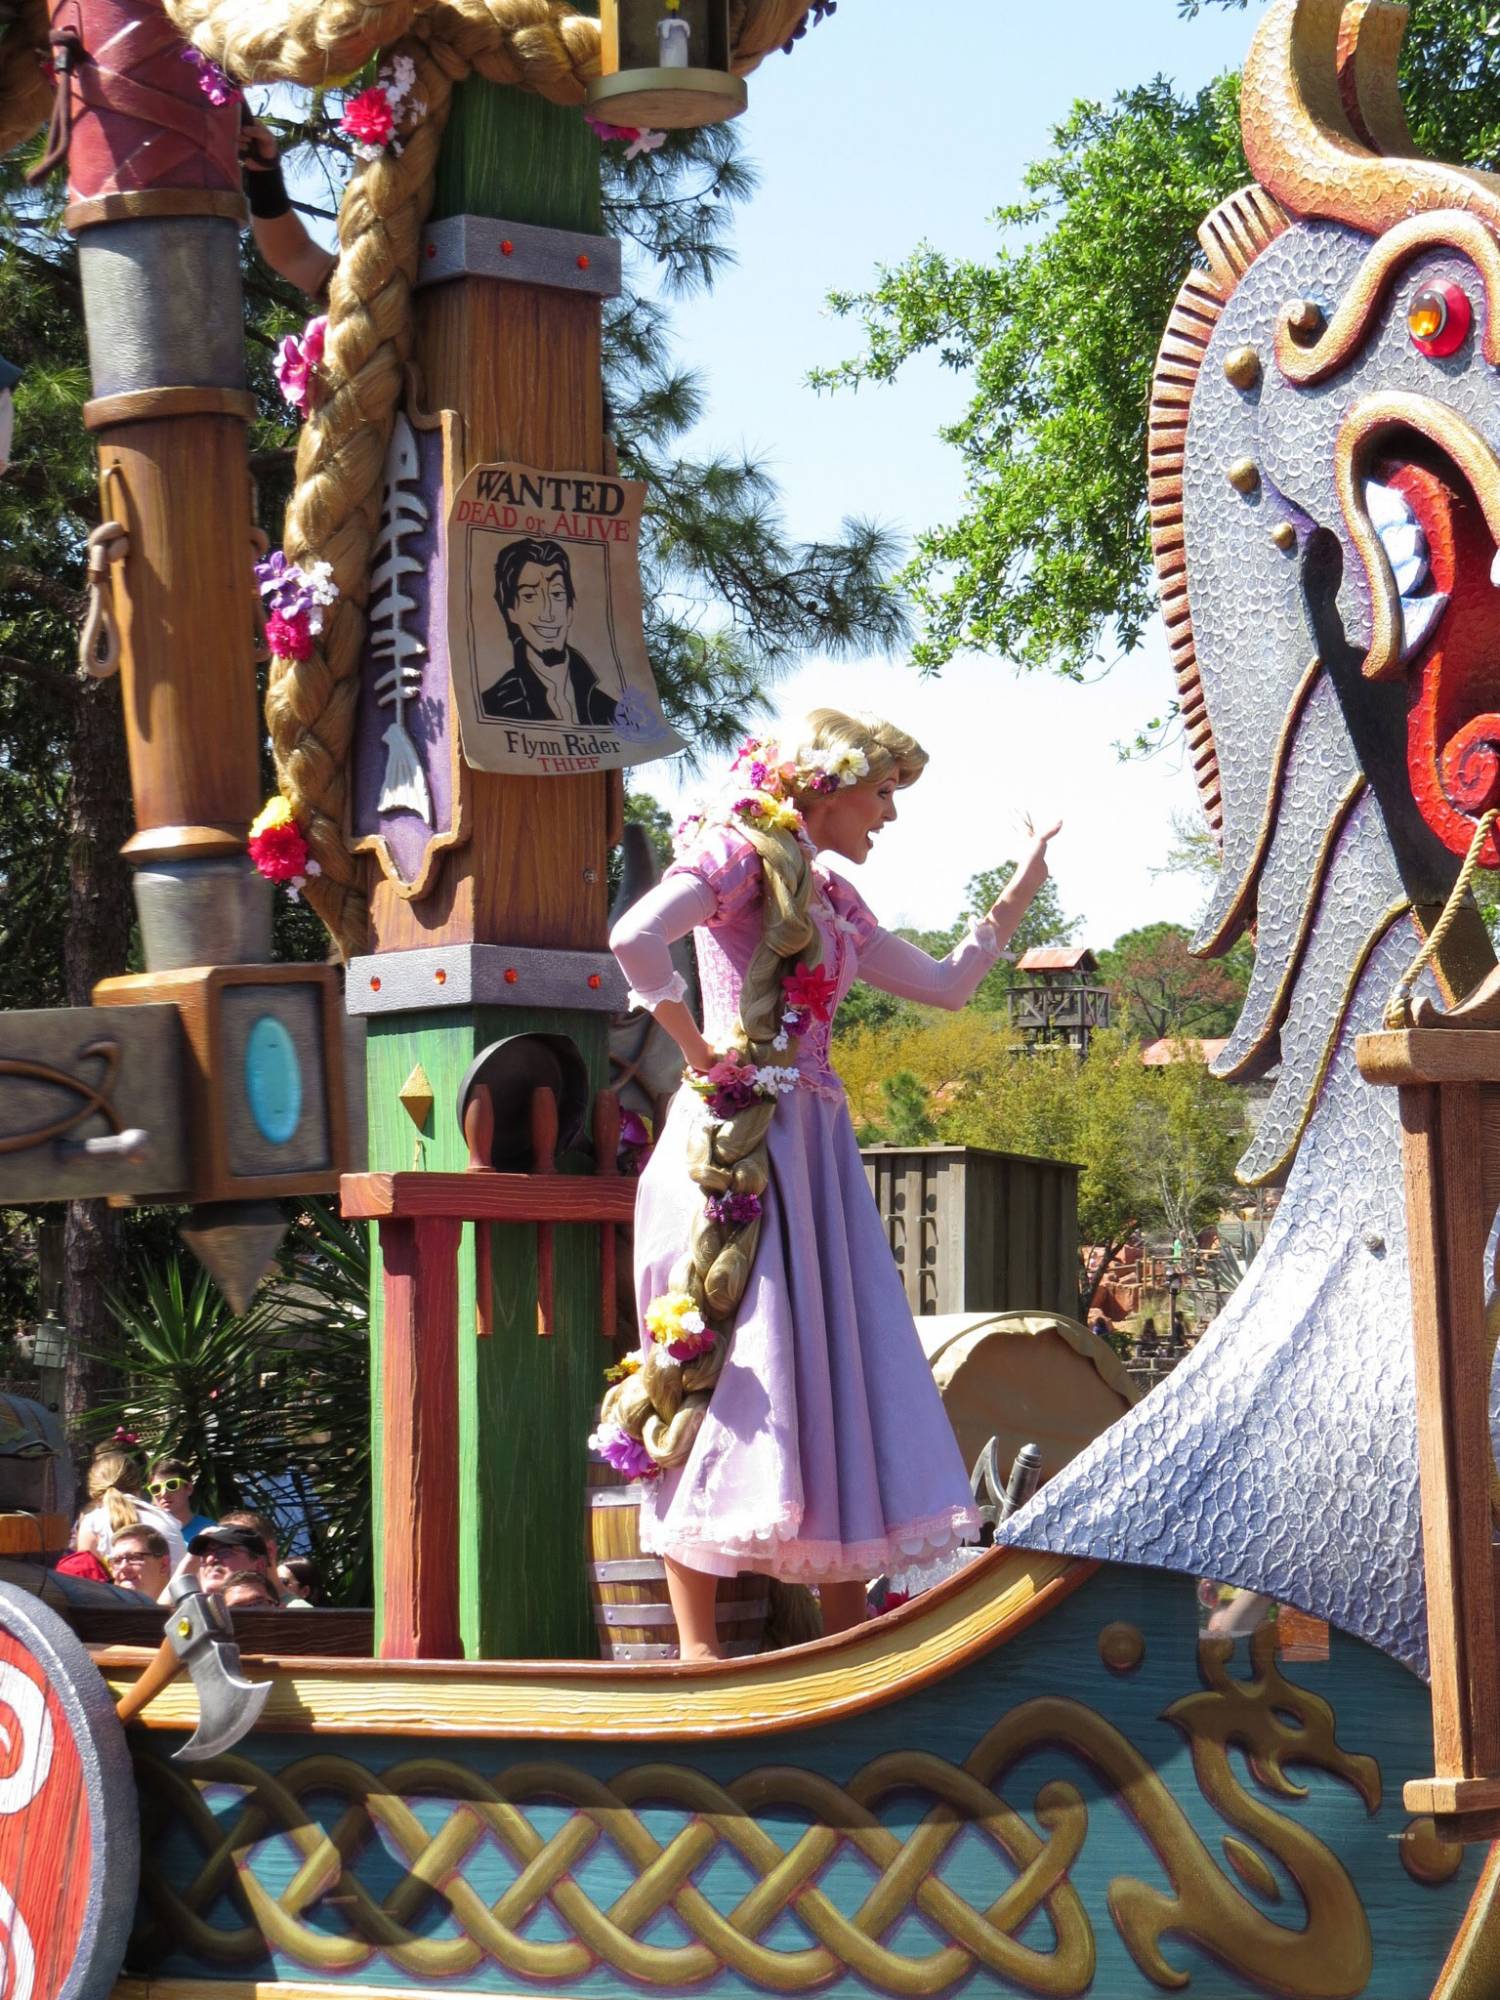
265 190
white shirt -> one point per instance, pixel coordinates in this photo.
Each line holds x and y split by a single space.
96 1522
559 685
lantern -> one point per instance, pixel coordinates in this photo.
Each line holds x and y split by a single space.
665 65
50 1343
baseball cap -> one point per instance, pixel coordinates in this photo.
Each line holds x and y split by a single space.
216 1541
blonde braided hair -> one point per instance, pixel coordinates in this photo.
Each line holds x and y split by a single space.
663 1404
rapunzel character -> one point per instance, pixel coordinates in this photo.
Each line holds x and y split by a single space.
782 1400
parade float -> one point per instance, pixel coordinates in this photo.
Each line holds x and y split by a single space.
1034 1778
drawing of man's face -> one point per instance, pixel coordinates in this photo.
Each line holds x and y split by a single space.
542 611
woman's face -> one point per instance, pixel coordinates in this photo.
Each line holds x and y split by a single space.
847 821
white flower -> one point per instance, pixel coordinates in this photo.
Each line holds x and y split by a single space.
403 76
782 1042
318 577
848 766
772 1080
691 1322
645 142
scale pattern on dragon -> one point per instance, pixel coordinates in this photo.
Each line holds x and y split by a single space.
1325 506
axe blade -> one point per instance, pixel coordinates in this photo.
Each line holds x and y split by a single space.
228 1708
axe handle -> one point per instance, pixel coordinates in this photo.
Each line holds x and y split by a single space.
163 1669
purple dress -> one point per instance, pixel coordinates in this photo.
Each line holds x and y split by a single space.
825 1453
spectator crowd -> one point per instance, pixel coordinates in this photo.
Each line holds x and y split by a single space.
140 1530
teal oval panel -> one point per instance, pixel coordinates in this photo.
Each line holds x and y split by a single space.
273 1080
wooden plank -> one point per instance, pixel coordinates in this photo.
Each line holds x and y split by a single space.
1448 1226
1430 1055
985 1606
1451 1795
419 1549
489 1197
328 1634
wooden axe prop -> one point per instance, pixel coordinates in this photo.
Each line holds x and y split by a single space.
200 1637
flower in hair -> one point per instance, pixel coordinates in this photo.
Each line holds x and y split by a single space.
767 809
811 990
625 1453
675 1323
297 361
295 602
727 1088
278 847
370 121
212 81
734 1210
623 1369
125 1438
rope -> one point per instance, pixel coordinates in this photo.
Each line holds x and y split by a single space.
99 641
1398 1007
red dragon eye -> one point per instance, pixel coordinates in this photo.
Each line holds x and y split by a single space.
1439 320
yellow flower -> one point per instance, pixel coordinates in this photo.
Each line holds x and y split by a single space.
623 1370
275 812
673 1315
781 814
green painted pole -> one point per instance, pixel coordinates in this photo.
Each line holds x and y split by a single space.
521 365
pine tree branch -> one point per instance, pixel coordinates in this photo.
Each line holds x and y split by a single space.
45 589
48 680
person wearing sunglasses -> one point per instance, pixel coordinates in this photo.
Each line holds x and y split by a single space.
170 1484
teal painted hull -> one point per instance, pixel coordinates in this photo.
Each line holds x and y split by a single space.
1034 1822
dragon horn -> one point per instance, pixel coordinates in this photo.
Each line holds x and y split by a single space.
1312 64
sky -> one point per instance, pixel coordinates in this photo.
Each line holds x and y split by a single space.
887 125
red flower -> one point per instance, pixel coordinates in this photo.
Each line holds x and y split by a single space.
289 638
368 119
280 853
811 991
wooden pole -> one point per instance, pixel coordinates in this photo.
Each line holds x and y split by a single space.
521 364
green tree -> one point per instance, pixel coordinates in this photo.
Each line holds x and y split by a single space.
1045 922
907 1120
1161 989
1156 1147
1048 563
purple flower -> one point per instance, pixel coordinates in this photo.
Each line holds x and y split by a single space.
626 1454
734 1209
823 781
212 81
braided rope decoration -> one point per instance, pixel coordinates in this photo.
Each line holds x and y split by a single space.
538 45
799 1835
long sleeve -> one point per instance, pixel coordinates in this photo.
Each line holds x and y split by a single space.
642 940
897 966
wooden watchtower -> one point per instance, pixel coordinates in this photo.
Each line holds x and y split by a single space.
1057 997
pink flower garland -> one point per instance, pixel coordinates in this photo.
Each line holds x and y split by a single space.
298 359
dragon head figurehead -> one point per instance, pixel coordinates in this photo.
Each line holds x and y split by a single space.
1324 484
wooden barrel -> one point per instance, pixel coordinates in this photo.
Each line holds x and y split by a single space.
629 1589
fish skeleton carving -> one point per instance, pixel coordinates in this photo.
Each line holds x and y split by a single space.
404 514
1325 506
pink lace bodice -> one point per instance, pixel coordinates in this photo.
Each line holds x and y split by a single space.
725 862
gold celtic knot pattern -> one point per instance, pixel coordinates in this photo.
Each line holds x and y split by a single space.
1324 1957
